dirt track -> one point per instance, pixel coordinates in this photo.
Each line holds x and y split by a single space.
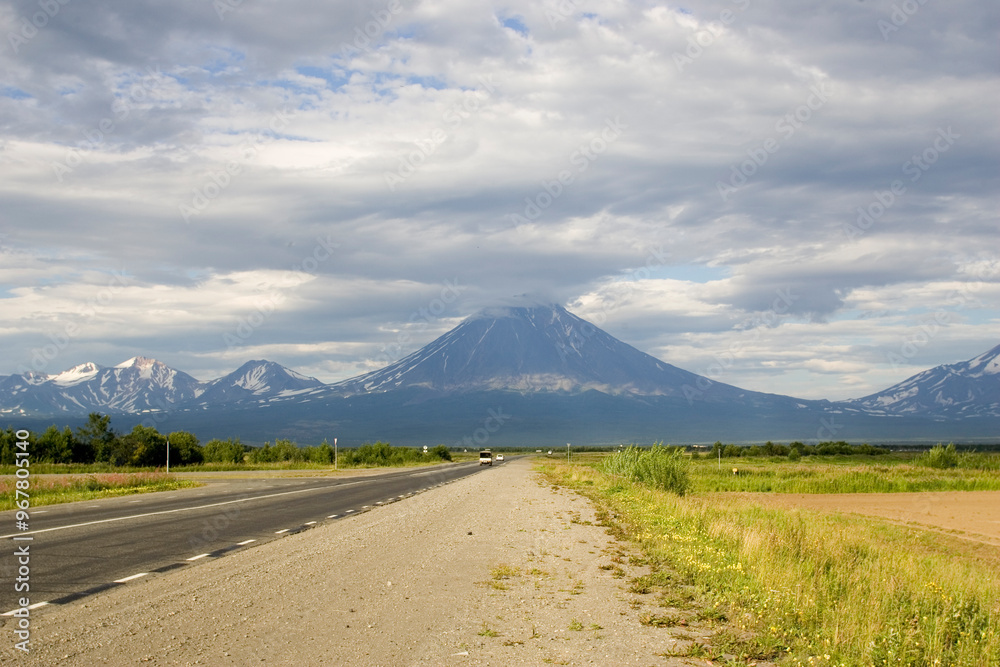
410 583
970 515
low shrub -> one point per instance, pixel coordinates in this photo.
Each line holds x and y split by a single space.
664 468
939 457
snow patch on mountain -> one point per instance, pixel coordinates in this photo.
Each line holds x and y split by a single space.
535 348
965 389
75 375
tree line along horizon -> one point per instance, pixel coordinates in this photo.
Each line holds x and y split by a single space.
145 446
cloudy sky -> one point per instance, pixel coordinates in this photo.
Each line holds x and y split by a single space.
796 197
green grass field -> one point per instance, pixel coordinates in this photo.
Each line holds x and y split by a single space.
816 589
70 488
848 474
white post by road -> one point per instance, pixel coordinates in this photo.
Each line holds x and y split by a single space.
334 453
168 455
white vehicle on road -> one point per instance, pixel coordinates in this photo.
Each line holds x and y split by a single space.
499 457
486 458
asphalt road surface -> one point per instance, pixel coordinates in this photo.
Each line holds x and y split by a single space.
79 549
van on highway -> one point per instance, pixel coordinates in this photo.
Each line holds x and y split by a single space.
486 458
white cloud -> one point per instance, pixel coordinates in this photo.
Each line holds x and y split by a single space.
480 120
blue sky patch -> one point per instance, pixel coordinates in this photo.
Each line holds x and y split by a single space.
516 24
14 93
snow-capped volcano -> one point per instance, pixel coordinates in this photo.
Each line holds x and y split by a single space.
966 389
257 380
536 348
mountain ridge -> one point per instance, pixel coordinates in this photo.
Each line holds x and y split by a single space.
964 389
531 348
564 374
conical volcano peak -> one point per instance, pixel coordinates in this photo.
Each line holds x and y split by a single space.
518 306
527 346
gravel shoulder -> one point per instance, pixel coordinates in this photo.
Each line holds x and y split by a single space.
495 569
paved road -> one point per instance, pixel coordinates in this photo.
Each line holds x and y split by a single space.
82 548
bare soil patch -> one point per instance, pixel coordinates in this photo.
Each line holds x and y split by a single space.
969 515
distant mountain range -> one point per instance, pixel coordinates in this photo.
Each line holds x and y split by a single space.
951 391
142 385
554 376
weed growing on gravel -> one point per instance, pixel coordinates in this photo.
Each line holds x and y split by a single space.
639 587
505 571
500 574
575 625
486 631
797 585
666 621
